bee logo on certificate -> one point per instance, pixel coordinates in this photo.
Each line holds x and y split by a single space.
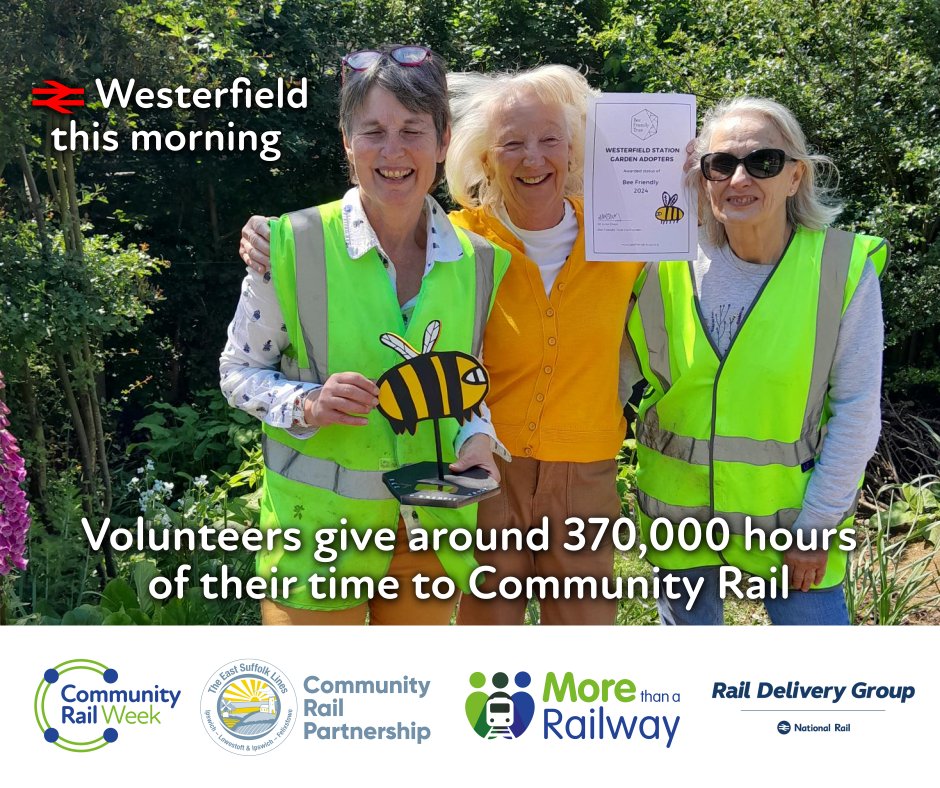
668 213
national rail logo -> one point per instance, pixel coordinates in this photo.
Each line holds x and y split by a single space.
82 705
499 714
248 707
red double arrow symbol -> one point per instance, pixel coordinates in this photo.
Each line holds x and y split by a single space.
58 100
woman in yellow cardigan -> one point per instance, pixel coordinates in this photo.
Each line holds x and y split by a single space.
554 340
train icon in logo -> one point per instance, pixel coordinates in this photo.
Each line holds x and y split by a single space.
499 714
783 727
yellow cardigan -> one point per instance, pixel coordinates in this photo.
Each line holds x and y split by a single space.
554 360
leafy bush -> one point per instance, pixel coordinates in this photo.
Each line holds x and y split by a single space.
193 440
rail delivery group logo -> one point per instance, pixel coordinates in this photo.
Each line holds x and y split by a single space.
83 705
499 714
248 707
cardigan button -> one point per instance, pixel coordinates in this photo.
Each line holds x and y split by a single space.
548 370
552 341
561 285
528 451
549 313
531 425
539 397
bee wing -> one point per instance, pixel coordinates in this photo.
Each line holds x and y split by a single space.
674 199
399 345
665 198
431 333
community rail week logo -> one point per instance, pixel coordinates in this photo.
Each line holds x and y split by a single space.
82 705
248 707
499 714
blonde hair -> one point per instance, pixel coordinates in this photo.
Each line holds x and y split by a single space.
813 206
474 98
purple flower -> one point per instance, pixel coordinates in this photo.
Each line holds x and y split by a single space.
14 518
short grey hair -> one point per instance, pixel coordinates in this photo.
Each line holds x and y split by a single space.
421 89
474 99
813 206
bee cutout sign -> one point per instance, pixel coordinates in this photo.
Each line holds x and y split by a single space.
432 386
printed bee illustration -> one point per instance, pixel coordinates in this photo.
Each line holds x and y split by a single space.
429 385
668 212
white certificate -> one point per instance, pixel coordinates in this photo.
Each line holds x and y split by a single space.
636 206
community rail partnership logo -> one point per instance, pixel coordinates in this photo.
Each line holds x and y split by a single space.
248 707
497 714
82 705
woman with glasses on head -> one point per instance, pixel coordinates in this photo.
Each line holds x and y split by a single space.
304 349
762 360
554 339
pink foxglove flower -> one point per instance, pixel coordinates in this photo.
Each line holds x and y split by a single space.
14 518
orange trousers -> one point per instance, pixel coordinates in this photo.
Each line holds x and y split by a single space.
406 609
557 490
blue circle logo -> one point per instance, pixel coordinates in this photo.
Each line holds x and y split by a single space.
64 709
783 727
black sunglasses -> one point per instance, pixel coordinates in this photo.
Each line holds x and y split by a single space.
763 163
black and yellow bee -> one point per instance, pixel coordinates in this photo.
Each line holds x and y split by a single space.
429 385
668 211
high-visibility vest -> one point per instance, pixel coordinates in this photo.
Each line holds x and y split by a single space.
335 309
738 436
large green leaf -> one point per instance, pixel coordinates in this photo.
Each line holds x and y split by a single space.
142 574
84 616
117 595
119 619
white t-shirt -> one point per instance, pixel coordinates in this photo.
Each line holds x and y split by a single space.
550 248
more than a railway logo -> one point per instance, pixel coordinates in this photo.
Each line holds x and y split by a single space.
503 713
248 707
83 705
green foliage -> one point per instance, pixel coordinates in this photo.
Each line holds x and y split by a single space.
196 439
509 34
914 508
47 302
126 599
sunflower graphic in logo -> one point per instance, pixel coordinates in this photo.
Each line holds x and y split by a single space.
248 707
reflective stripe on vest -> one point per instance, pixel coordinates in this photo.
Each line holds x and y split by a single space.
483 254
327 475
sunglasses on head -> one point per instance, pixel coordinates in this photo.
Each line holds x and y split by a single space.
407 56
763 163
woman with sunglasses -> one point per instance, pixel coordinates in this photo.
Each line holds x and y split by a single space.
304 349
555 335
762 360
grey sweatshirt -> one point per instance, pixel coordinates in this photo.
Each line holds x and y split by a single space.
726 287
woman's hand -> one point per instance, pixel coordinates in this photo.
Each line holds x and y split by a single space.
344 399
254 248
476 450
807 567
